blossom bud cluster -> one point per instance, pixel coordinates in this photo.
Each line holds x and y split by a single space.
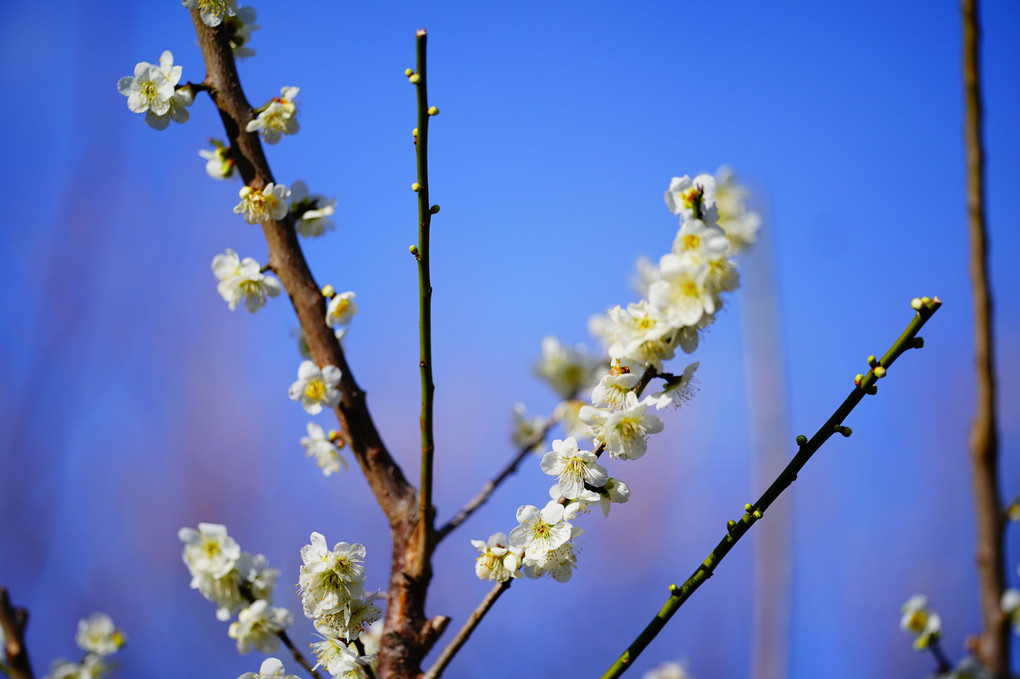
332 587
99 638
237 582
681 297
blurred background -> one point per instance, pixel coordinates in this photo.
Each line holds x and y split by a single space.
133 402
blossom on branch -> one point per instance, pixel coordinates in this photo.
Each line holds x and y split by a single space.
261 206
243 279
271 668
97 634
567 370
277 118
239 28
498 561
574 468
540 531
341 309
920 622
320 446
219 161
258 626
212 11
315 388
311 212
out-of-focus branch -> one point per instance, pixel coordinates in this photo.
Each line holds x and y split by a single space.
13 621
863 384
408 634
992 647
465 632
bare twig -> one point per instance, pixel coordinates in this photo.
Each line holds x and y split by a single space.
464 633
483 495
13 621
992 647
301 660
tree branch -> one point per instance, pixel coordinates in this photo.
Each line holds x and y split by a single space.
465 632
993 644
13 621
301 660
863 384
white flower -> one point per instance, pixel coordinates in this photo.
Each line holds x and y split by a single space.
261 206
212 11
339 660
330 579
639 335
525 429
539 531
258 625
315 387
920 622
624 431
209 550
349 621
179 101
612 389
1011 607
148 90
558 563
614 492
683 294
667 670
320 446
63 669
692 198
96 634
567 370
573 467
341 309
372 637
276 118
219 163
243 279
677 390
497 562
311 212
271 668
256 575
239 28
93 666
740 224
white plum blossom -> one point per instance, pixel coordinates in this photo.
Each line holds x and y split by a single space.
97 634
677 390
179 101
93 666
639 335
209 550
277 118
667 670
219 162
341 309
573 468
740 224
611 391
240 27
614 492
692 198
339 660
349 621
498 561
1010 604
312 212
330 579
320 446
525 429
148 89
212 11
540 531
559 563
257 626
271 668
624 432
261 206
315 388
567 370
242 279
920 622
682 294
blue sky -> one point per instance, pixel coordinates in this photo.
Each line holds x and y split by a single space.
135 403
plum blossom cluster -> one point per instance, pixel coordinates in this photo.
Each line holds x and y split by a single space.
258 206
237 582
332 587
277 117
153 90
681 296
312 212
99 638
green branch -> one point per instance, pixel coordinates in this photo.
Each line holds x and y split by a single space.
421 253
863 385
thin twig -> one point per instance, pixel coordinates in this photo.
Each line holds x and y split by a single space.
13 621
993 644
301 660
465 632
944 666
483 495
863 385
428 387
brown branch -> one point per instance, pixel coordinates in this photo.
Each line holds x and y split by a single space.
13 621
465 632
407 634
992 647
301 660
487 489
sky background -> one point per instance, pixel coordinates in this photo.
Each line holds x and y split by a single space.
133 402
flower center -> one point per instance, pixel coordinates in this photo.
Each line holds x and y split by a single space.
316 389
